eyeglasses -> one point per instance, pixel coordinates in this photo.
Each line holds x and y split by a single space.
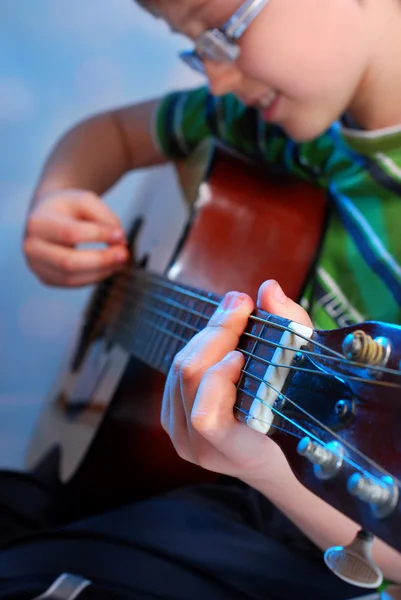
220 45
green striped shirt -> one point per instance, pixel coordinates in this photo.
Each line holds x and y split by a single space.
358 272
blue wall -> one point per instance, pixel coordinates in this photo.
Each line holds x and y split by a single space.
60 60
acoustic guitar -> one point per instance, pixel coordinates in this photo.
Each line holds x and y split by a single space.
331 399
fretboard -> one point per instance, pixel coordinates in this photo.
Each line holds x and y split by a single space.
158 317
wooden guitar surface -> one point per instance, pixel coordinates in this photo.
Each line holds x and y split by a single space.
245 226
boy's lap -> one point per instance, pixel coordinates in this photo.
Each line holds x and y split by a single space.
222 541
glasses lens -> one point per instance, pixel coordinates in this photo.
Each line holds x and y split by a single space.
214 45
193 60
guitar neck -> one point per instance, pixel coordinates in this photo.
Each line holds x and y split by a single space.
160 317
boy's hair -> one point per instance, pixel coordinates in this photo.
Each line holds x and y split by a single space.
147 4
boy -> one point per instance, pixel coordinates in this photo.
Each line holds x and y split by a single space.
295 68
295 93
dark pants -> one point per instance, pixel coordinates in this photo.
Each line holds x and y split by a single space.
224 541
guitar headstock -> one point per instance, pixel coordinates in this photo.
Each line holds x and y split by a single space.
332 401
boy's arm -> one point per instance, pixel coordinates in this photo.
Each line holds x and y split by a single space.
320 522
66 210
94 154
197 413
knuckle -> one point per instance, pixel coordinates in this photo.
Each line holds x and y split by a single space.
89 197
199 421
31 226
69 281
189 371
67 264
213 377
182 451
68 234
204 424
177 362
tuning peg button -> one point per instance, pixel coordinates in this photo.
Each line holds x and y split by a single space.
354 563
382 494
327 459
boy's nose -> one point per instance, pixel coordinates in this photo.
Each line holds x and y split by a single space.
223 77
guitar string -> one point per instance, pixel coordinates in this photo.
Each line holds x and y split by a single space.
332 433
209 302
147 277
121 291
307 414
368 460
127 323
184 340
309 434
172 318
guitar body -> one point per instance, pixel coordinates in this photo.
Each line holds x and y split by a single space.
234 228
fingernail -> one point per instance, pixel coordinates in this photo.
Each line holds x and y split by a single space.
278 294
117 234
232 355
232 300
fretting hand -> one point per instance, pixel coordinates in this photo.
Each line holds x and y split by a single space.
200 392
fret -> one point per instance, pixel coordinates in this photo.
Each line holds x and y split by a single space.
188 330
154 321
208 309
161 316
139 337
158 335
195 324
137 334
149 332
248 386
171 343
167 322
178 327
121 323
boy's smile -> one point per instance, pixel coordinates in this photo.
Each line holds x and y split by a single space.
304 63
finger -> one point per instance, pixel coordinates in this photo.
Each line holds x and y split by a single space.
65 230
90 207
213 416
174 422
54 277
272 299
215 399
71 261
223 328
207 348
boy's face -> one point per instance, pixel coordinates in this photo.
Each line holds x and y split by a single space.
306 56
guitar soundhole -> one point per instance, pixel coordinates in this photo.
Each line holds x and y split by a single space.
93 327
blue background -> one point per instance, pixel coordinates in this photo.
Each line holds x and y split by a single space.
60 61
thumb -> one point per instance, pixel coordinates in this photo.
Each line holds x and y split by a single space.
272 299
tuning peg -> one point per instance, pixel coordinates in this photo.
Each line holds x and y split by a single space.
354 563
382 495
327 459
361 347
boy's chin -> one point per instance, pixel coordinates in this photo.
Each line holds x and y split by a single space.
305 130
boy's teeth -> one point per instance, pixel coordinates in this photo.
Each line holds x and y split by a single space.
267 101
